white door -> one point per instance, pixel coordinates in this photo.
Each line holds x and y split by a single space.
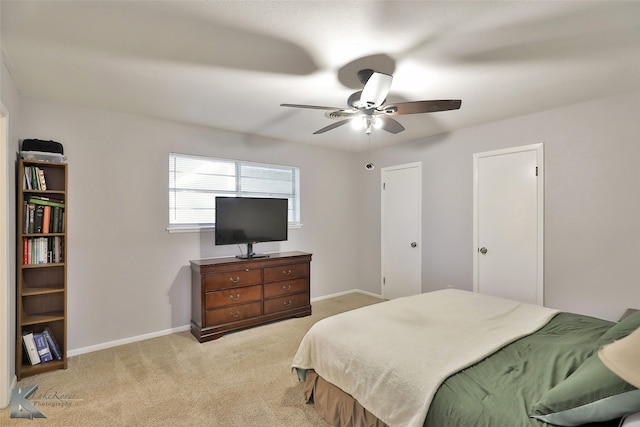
508 223
401 230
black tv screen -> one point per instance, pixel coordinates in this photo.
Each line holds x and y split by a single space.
250 220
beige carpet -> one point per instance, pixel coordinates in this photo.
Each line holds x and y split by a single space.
242 379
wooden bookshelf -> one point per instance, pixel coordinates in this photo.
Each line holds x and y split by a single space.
41 256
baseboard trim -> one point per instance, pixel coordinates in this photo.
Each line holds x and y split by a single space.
116 343
339 294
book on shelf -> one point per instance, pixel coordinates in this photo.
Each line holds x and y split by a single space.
27 179
30 347
55 222
37 222
46 219
34 178
42 250
28 218
43 216
25 251
43 182
46 201
43 348
54 345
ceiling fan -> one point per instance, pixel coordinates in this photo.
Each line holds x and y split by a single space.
367 107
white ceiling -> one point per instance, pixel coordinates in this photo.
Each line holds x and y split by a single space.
229 64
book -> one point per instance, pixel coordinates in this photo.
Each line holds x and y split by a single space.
46 219
25 251
32 218
44 250
25 217
59 249
55 222
54 345
42 347
37 221
27 179
36 211
43 182
32 177
35 248
46 201
49 256
30 347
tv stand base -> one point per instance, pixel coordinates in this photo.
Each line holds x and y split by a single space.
252 256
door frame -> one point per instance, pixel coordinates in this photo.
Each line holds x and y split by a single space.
539 150
383 172
6 335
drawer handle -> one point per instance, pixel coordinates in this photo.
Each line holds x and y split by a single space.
286 288
235 297
236 314
236 280
287 302
287 272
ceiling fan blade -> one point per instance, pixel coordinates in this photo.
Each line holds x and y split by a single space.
342 114
313 107
376 90
391 125
332 126
417 107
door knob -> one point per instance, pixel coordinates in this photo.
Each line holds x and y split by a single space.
482 250
414 244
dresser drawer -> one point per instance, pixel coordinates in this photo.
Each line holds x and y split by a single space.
286 303
286 272
230 279
233 296
286 287
233 313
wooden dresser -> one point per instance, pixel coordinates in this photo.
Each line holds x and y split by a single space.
228 294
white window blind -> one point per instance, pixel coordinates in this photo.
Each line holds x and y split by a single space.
195 181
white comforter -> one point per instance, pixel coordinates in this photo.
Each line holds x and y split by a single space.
393 356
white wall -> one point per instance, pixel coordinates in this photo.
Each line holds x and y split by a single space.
592 203
127 276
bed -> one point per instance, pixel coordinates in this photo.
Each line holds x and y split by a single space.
458 358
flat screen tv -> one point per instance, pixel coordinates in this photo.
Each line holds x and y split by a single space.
250 220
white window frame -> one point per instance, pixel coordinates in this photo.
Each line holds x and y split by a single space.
177 185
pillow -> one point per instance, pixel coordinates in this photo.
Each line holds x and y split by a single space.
619 330
592 393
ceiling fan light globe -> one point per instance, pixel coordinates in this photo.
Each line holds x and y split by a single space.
377 123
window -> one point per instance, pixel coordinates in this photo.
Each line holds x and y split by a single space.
195 181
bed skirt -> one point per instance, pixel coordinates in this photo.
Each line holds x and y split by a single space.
336 406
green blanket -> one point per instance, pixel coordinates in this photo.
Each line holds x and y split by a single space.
500 390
